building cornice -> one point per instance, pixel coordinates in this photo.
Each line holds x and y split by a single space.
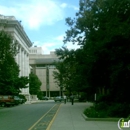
7 23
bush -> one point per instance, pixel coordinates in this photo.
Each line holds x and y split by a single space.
119 110
90 112
102 110
93 113
101 106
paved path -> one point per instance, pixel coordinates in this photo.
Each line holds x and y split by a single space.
69 117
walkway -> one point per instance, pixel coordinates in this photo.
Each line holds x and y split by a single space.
69 117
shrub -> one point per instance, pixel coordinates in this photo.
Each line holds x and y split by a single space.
94 113
90 112
102 110
119 110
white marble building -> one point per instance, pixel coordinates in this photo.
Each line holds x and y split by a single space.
10 24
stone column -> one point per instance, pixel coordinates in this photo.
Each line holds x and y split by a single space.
28 67
24 66
19 60
23 62
16 57
26 70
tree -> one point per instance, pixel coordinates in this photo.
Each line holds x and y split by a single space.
102 63
62 74
21 82
58 73
34 84
102 29
10 82
9 70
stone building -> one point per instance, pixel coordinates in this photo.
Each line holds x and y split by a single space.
43 66
35 50
10 24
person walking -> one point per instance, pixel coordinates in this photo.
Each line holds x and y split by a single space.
64 99
72 99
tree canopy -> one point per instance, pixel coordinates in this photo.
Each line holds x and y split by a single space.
101 64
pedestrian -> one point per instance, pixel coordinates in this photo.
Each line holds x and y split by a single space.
72 99
64 99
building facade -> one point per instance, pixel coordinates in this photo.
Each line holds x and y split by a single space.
10 24
43 66
35 50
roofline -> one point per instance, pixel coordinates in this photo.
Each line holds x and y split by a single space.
14 23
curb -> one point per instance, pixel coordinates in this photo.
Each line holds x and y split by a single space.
100 119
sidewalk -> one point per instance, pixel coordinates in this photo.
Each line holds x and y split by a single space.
69 117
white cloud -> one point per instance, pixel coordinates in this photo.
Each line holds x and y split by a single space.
55 43
63 5
75 7
69 45
72 46
60 38
46 46
35 13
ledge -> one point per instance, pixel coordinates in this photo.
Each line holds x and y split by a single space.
99 119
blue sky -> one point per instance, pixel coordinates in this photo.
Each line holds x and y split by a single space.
43 20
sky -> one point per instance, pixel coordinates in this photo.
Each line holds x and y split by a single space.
43 20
